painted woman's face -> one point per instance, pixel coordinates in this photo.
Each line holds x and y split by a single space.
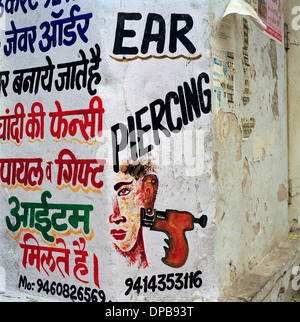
126 213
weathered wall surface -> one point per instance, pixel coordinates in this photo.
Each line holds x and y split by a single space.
292 14
250 149
86 87
138 162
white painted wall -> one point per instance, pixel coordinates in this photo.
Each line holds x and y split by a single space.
211 168
185 177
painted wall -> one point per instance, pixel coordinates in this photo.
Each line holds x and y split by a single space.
292 13
250 147
106 150
138 161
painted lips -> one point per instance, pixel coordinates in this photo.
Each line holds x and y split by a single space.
118 234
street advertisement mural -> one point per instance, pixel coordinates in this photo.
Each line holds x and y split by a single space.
105 183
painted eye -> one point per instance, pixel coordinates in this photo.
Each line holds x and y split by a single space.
124 192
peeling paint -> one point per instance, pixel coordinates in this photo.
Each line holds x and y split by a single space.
272 51
258 145
271 138
228 125
250 154
246 172
282 193
215 167
274 104
232 271
256 230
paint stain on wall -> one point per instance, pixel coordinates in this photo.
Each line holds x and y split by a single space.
215 167
256 230
282 193
274 104
232 271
